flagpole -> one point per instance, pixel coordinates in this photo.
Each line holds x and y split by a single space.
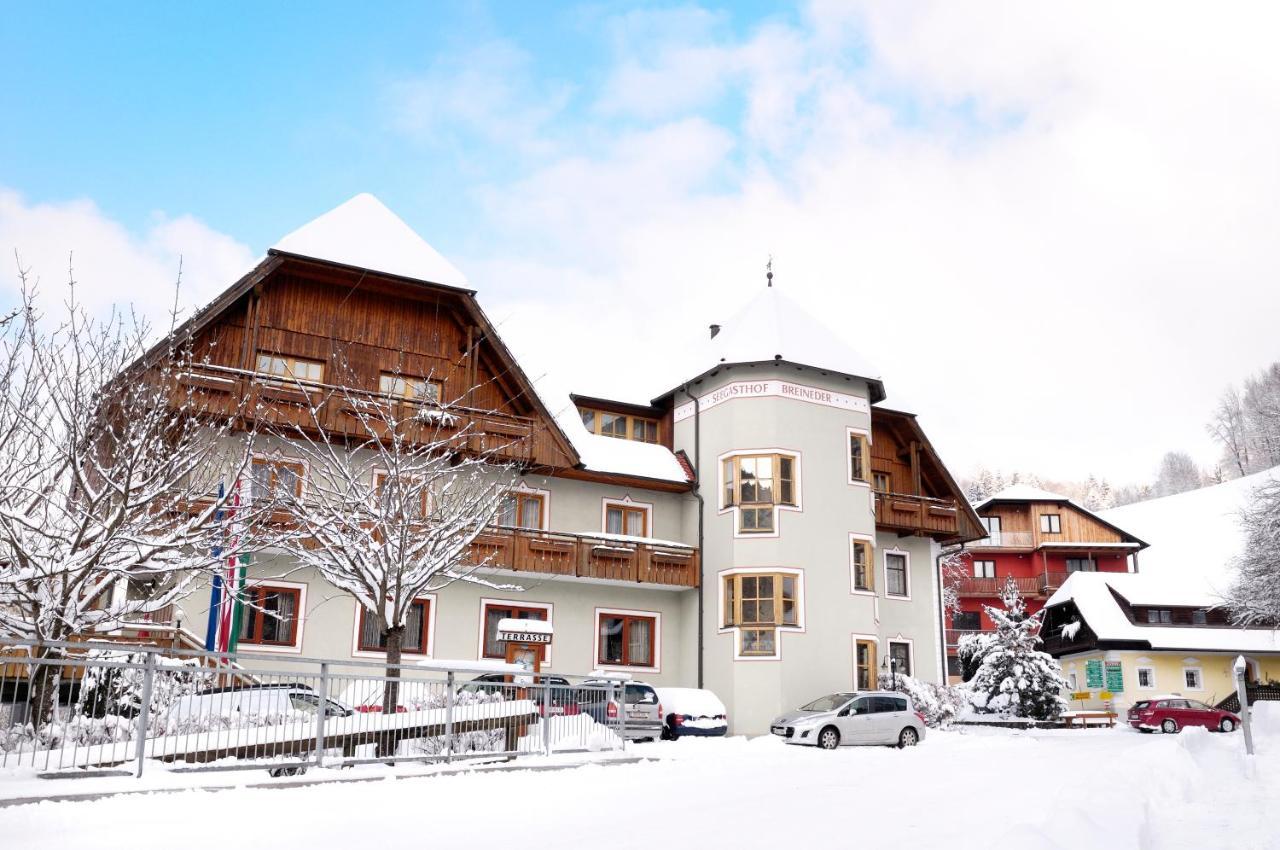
215 589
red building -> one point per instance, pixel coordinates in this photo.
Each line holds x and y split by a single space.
1037 538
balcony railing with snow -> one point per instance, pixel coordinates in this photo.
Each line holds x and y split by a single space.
609 557
1005 540
307 405
908 514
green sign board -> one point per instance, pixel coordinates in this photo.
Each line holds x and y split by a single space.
1093 674
1115 676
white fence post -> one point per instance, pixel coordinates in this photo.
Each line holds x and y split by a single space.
144 711
321 710
1241 667
546 716
448 717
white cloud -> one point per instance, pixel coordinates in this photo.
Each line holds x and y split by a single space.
1053 230
113 266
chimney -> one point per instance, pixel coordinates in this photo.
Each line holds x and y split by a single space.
715 329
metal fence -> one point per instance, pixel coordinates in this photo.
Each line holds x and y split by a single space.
105 707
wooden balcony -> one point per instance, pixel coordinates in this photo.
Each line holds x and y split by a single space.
630 560
954 635
223 391
970 586
917 515
1006 540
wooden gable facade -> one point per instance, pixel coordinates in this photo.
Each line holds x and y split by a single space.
359 326
915 494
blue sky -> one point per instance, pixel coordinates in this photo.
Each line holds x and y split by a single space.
253 116
1022 202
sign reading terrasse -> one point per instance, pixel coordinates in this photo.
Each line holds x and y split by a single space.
524 637
773 389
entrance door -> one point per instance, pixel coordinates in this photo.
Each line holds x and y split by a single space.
864 665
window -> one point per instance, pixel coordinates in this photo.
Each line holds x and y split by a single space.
409 388
289 369
895 574
992 525
1051 523
969 621
521 510
1162 616
1193 678
1146 678
864 663
1081 565
863 570
759 604
270 615
1073 682
1199 617
494 614
638 428
274 478
859 457
755 484
880 482
900 657
984 569
627 640
416 498
414 641
623 519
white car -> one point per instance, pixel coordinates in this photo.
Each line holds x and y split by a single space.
873 717
263 702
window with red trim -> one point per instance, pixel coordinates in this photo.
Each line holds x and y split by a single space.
415 630
270 615
627 640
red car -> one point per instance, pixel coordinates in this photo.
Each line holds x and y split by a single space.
1170 714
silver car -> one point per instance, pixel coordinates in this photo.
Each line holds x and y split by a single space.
871 717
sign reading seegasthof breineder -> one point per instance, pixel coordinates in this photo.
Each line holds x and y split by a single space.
774 389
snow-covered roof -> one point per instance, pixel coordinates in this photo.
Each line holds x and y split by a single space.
1022 493
1092 595
625 457
363 233
773 327
512 624
1193 536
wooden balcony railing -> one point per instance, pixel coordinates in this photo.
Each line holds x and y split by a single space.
587 556
907 514
224 391
954 635
1006 540
970 586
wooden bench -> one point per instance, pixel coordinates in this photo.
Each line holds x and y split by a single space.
1069 718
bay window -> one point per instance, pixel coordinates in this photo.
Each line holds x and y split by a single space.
756 484
759 604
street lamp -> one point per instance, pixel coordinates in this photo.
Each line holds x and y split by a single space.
891 664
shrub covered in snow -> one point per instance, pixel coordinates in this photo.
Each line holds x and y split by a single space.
1015 679
970 650
940 704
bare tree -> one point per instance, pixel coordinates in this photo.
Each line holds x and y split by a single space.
109 467
392 502
1230 429
1254 598
1178 474
955 566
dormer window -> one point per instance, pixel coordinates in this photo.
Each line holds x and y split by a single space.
639 428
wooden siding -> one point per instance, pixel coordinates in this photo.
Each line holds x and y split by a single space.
359 331
905 514
1023 520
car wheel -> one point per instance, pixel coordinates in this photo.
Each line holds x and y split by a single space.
1226 725
908 738
829 738
1169 726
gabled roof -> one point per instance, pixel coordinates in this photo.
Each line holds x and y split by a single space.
362 233
773 328
1100 599
1026 494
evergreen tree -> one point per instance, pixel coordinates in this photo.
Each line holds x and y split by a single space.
1015 679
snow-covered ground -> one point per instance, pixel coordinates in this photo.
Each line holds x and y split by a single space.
977 788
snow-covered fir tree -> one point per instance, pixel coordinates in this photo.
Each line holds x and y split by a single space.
1015 679
971 649
1254 597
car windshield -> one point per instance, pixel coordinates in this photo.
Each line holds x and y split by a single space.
828 703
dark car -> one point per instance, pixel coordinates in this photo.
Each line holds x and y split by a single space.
643 718
1172 713
563 696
